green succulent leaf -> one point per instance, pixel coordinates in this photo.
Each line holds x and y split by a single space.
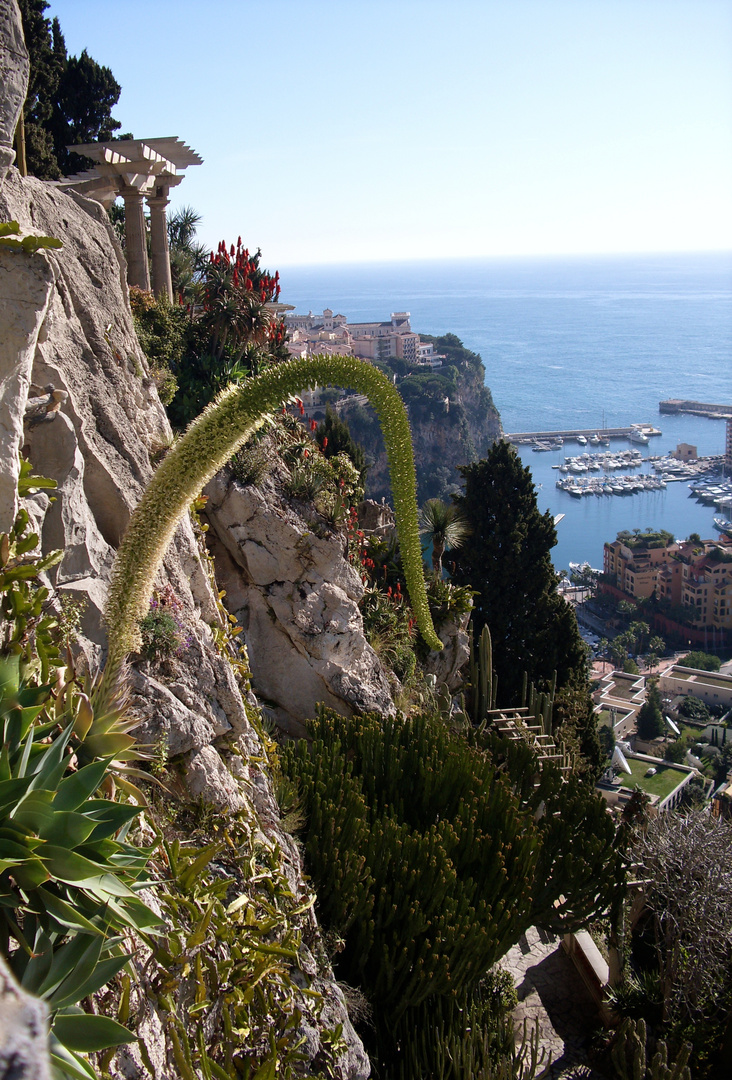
67 1064
9 228
88 1033
74 790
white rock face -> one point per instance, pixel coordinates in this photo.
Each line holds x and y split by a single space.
73 331
23 1027
26 284
296 596
13 78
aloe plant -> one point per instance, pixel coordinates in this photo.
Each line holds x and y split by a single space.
209 443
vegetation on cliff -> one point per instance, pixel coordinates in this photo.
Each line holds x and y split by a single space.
453 418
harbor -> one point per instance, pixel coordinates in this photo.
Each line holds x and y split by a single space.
636 433
696 408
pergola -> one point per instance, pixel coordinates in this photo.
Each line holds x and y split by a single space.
138 169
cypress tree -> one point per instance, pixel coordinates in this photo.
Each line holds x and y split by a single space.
650 716
69 100
506 559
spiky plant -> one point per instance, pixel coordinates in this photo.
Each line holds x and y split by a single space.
444 526
209 443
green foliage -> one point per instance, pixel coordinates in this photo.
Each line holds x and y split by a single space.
647 539
70 99
387 626
444 527
430 861
68 877
701 660
224 972
161 635
333 437
208 444
164 331
650 716
694 708
9 232
506 560
253 463
447 601
235 331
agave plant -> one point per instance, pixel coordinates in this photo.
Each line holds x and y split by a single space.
68 877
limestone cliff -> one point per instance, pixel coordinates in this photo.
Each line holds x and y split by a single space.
452 415
96 426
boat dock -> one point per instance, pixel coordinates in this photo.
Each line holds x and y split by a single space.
527 437
696 408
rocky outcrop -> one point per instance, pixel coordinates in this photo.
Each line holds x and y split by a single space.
296 596
452 416
13 79
23 1027
95 425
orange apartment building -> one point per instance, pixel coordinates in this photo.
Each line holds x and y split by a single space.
698 575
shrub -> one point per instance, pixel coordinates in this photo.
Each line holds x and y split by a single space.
701 660
252 464
163 631
694 708
430 861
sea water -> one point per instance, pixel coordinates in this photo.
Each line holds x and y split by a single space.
570 343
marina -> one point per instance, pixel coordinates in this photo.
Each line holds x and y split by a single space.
639 433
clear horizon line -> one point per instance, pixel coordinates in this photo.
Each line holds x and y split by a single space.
509 257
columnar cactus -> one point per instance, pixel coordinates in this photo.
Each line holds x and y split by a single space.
209 443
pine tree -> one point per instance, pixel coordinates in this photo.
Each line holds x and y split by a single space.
506 559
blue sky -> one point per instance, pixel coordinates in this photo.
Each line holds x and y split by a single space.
359 130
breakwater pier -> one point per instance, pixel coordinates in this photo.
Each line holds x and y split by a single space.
696 408
524 438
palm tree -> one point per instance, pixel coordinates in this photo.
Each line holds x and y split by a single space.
188 257
602 647
444 527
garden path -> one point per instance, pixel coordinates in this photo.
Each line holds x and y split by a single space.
551 991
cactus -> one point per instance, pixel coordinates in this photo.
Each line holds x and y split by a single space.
630 1060
430 859
209 443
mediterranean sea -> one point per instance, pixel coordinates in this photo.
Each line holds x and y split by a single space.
580 342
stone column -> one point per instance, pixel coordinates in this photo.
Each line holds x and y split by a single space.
161 279
138 272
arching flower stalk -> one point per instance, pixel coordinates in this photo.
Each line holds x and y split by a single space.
209 443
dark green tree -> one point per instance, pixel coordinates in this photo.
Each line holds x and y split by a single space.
650 716
701 660
82 110
47 54
70 99
340 441
506 559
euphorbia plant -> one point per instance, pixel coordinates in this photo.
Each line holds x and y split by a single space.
210 442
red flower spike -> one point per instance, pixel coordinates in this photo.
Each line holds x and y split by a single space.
325 443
